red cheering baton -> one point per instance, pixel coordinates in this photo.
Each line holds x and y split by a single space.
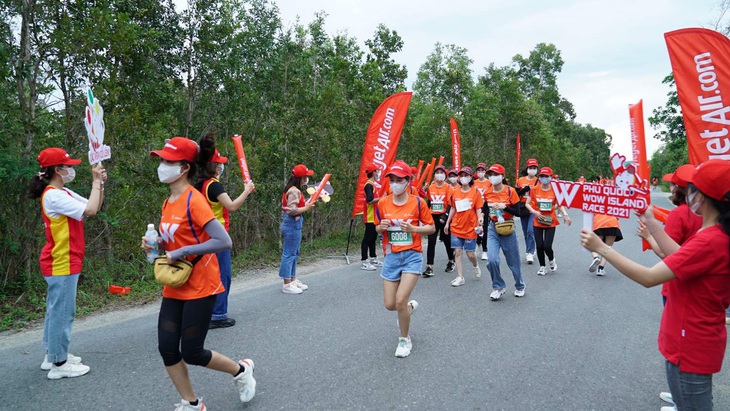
242 164
321 185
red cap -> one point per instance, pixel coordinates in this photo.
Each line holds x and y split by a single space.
442 168
218 158
497 168
177 149
414 170
370 168
300 170
545 171
453 171
467 170
681 175
56 157
482 165
531 162
399 169
711 178
555 176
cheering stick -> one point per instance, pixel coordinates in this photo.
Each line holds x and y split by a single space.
241 158
322 183
420 167
441 160
430 169
660 214
420 181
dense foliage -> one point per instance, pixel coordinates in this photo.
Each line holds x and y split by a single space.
296 94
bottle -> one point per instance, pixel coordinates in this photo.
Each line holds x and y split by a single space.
500 217
151 235
479 231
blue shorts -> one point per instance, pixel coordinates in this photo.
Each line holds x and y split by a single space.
404 262
467 245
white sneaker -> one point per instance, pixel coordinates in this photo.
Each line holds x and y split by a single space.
457 281
67 370
666 397
670 408
404 347
496 294
413 304
529 257
484 255
185 406
46 365
367 266
375 262
601 272
298 283
291 289
541 271
553 266
594 264
477 271
520 293
245 382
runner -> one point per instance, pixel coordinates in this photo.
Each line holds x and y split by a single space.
581 179
292 207
502 200
465 220
692 334
62 257
453 178
542 202
481 184
608 229
211 165
189 228
439 194
370 236
403 218
524 185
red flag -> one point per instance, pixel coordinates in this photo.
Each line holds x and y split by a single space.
701 64
455 145
638 142
517 163
381 141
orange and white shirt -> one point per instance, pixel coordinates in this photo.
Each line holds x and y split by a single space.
465 207
507 195
63 214
527 181
605 221
182 224
414 211
440 198
545 202
482 186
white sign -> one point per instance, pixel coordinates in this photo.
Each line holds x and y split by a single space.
94 122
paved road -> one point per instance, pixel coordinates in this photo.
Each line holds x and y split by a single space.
574 342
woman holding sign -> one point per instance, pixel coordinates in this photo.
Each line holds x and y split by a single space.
62 257
402 218
692 334
212 165
293 206
542 203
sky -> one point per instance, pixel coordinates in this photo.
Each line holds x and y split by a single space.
614 51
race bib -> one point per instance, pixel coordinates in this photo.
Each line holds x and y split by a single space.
437 207
545 205
463 205
399 238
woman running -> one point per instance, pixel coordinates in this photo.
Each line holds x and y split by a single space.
62 257
524 185
608 229
293 206
453 178
370 236
481 184
403 218
465 220
189 230
439 195
692 334
542 203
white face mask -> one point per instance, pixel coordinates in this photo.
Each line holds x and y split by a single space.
398 188
376 175
169 173
481 174
464 180
70 175
532 172
223 167
452 180
495 180
545 180
440 176
693 206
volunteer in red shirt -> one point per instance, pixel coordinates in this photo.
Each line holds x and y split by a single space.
370 236
524 185
62 256
481 184
439 196
692 334
464 224
542 203
502 200
190 230
402 219
293 206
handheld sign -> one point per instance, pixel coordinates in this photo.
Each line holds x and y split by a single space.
325 194
320 187
94 123
242 164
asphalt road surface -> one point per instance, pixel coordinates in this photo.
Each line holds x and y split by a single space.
574 342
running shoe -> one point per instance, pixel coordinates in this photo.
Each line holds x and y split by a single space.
185 406
245 382
670 408
404 347
298 283
553 266
413 304
291 289
367 266
428 272
484 255
457 281
594 264
225 323
67 370
449 267
477 271
496 294
46 365
520 293
530 258
375 262
666 397
601 272
541 271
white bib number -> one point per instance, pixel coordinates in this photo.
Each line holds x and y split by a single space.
462 205
545 205
399 238
437 207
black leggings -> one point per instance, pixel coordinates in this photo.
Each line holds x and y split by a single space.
482 240
544 242
182 328
431 249
368 241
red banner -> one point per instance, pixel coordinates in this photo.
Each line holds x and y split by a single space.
455 145
598 198
701 65
517 163
638 141
381 141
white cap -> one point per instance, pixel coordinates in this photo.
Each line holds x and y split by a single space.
150 227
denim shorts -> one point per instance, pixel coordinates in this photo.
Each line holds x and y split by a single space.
467 245
404 262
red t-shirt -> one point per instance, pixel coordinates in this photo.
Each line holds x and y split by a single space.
415 211
465 207
545 202
682 224
692 332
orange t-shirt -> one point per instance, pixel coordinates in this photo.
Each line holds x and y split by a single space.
508 195
465 207
439 197
415 211
482 186
181 226
545 202
604 221
526 181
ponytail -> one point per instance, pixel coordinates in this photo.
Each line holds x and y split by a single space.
207 149
40 181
